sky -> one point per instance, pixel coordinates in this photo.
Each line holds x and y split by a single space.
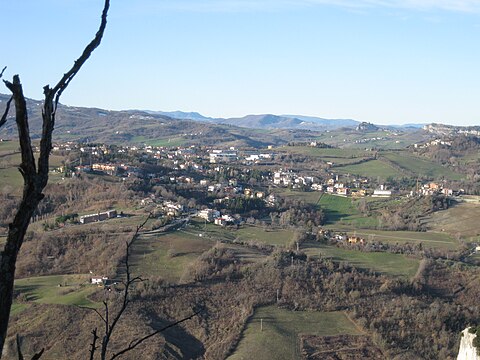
382 61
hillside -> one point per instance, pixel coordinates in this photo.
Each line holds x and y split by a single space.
180 128
269 121
133 126
266 121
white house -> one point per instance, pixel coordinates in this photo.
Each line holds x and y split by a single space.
98 280
382 193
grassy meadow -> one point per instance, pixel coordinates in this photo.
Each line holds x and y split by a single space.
10 159
246 233
310 197
372 169
270 237
440 240
460 221
421 166
329 154
342 211
386 263
56 289
167 254
281 329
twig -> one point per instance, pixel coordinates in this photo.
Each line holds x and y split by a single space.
137 342
109 328
93 309
3 120
19 349
93 345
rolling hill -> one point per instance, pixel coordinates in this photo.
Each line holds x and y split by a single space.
190 128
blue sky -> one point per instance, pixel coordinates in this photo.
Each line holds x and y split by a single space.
383 61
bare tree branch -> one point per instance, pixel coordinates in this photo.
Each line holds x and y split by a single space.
27 167
109 328
137 342
65 80
52 96
93 345
19 351
94 310
3 120
34 181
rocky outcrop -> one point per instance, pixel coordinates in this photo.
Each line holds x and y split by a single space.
467 350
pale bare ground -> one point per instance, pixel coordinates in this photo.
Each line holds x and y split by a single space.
461 221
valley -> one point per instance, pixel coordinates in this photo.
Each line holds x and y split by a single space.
292 246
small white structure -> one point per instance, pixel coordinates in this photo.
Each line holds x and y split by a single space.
382 193
224 220
208 214
98 280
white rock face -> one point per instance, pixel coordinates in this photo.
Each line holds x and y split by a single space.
467 350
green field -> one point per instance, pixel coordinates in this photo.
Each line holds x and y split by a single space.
74 289
246 233
10 176
356 140
421 166
281 328
371 169
7 147
167 254
330 154
439 240
342 211
460 221
382 262
270 237
310 197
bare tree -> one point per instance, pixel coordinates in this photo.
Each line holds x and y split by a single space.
110 321
35 174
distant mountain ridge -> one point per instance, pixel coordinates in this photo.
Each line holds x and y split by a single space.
135 126
181 115
266 121
178 127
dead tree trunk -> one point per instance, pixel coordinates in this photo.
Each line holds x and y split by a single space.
35 175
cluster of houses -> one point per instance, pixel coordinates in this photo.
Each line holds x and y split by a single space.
227 156
331 186
173 209
433 188
289 178
355 188
212 215
433 143
448 130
